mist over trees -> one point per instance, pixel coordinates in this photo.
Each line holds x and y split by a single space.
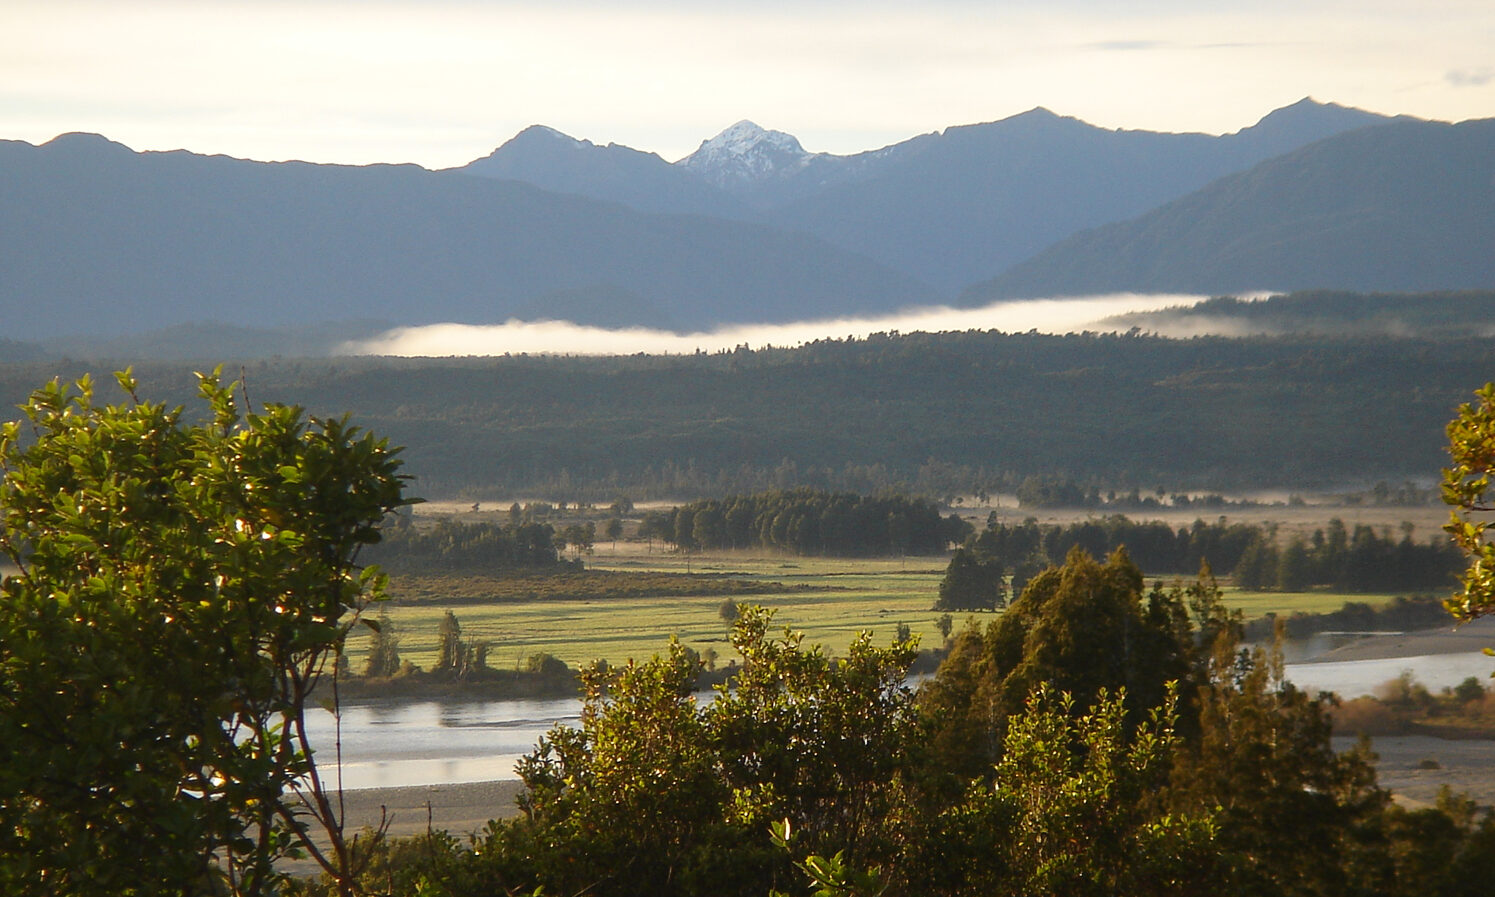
931 414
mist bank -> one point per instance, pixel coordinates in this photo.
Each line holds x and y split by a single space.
1317 313
1095 314
939 414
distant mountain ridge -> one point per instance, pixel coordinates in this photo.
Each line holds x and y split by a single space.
1405 206
553 161
101 239
948 208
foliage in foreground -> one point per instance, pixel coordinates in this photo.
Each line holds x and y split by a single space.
1466 487
182 589
1096 739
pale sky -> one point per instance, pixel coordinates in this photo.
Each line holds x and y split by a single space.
444 82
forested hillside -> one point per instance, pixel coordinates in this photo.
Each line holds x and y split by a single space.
1399 206
938 414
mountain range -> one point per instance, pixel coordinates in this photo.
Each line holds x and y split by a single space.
751 227
105 240
949 208
1407 206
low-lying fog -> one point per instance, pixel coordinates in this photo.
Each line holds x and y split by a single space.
564 338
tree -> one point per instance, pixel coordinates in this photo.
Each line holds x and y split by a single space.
1074 797
1079 628
455 656
182 589
1071 809
384 648
1466 484
656 794
1294 569
1294 817
449 653
972 584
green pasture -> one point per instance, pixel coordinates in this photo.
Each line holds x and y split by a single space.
843 596
581 631
1259 604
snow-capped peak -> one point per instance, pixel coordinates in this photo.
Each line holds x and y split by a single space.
747 152
745 137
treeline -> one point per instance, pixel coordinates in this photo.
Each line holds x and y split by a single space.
1153 545
1401 615
1358 561
810 521
1361 560
1064 492
931 414
449 546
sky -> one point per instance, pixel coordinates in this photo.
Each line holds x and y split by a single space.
441 83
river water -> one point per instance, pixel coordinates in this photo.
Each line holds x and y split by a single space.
435 743
1353 678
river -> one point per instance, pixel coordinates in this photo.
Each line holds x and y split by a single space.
433 743
389 745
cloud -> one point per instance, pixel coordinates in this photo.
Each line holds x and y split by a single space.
565 338
444 82
1127 45
1470 78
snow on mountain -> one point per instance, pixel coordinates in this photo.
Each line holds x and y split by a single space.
746 153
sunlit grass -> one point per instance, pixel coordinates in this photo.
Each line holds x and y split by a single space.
872 595
1259 604
842 597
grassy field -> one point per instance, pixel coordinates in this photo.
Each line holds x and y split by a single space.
829 599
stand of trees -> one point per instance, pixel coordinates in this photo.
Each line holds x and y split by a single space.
1361 560
1401 615
810 521
1349 561
449 547
972 584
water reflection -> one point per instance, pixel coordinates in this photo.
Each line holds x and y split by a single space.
436 743
1316 645
1353 678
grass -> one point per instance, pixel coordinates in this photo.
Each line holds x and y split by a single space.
829 599
589 585
1259 604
